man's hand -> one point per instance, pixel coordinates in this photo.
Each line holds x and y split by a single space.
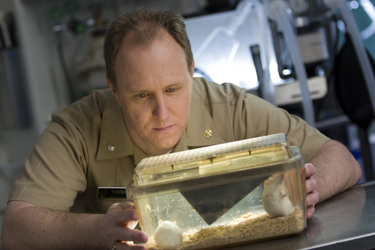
28 227
312 196
118 226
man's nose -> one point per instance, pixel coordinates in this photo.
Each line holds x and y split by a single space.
161 110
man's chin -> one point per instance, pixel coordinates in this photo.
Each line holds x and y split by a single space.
165 147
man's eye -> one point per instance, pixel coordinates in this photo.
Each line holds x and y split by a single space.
143 95
171 90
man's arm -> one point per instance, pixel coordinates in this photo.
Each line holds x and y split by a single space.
330 172
26 226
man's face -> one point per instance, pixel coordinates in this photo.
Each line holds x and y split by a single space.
154 89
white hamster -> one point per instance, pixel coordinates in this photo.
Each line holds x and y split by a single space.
275 199
168 235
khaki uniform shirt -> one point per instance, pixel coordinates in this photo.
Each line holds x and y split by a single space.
73 155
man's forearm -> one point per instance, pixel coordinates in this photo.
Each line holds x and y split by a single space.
39 228
336 169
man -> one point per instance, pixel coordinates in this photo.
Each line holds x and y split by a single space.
153 106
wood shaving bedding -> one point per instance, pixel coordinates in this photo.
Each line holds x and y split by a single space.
249 227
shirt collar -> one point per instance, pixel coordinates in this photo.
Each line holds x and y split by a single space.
115 134
200 122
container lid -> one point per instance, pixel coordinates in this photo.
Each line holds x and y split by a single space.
200 162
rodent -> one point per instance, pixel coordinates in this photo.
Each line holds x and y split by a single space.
275 199
168 234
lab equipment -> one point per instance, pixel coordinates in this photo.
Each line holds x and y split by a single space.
90 67
353 96
216 53
222 195
355 83
358 45
279 11
14 109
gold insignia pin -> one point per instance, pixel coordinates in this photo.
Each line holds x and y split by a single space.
208 133
110 147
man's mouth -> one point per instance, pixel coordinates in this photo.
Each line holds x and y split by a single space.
164 128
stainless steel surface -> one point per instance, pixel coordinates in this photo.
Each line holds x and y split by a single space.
346 221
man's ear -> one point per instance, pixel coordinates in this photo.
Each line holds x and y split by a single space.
110 85
112 88
192 68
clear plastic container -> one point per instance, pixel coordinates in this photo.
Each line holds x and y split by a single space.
228 194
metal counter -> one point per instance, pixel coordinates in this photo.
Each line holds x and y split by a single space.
346 221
